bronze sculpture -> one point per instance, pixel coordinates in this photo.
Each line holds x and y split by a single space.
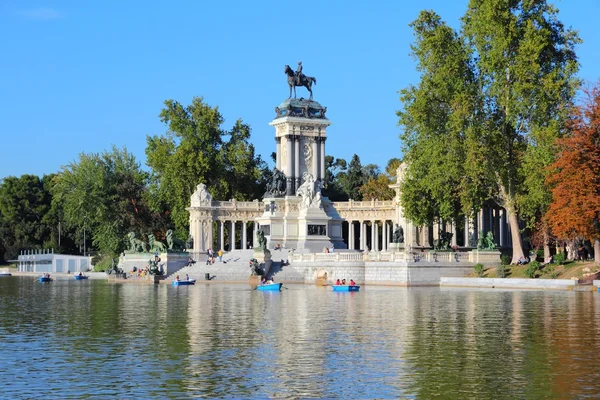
299 79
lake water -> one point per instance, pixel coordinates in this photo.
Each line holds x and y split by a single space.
77 339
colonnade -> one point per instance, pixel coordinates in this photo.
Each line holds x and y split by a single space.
375 235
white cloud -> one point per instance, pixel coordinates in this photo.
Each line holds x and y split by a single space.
40 14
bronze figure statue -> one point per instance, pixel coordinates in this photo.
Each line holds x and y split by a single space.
299 79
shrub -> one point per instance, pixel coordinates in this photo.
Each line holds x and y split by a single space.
560 258
505 259
105 263
532 267
479 269
501 271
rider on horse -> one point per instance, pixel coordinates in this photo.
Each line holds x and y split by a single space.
299 74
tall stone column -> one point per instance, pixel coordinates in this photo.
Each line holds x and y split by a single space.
315 160
297 178
278 153
384 235
322 159
373 235
350 235
244 233
426 242
222 236
254 233
454 231
232 237
289 171
502 241
361 233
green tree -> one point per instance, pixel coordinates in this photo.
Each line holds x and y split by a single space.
333 188
105 194
495 90
24 205
352 179
196 149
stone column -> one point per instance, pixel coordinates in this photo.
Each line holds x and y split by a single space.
278 153
426 242
350 236
222 236
254 232
361 235
244 233
502 240
315 160
373 234
466 231
289 171
297 178
384 235
454 231
232 236
322 162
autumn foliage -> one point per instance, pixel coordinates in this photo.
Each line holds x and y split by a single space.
575 175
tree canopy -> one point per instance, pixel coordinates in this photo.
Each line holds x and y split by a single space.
575 176
196 149
488 96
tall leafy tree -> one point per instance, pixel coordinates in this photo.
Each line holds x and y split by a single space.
353 178
509 74
196 149
575 176
105 194
25 203
334 168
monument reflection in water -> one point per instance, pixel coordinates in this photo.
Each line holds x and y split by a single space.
98 339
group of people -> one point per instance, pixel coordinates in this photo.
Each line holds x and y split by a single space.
328 249
210 256
187 278
266 281
343 282
139 272
46 275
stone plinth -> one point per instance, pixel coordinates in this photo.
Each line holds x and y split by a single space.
170 262
264 259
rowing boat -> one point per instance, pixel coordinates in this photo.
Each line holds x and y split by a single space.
270 286
184 283
345 288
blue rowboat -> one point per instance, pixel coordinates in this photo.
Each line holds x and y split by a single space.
345 288
270 286
44 279
183 283
80 277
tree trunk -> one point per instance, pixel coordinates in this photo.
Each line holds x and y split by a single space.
546 243
515 234
597 251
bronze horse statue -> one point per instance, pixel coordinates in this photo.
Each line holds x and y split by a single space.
306 81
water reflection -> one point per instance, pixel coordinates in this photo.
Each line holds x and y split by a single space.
91 338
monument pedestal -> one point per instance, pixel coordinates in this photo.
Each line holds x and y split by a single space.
170 262
264 258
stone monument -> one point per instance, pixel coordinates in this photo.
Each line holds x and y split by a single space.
296 215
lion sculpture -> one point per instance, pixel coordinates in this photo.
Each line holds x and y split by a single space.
173 242
136 245
155 245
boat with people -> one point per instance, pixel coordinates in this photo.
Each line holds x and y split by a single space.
184 283
4 273
44 278
80 277
345 288
269 286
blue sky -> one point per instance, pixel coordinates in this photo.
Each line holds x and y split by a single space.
79 76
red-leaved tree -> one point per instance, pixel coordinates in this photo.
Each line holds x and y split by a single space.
575 176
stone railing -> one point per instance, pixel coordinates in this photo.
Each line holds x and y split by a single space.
315 257
364 205
238 205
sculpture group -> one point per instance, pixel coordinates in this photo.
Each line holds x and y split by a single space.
174 244
310 191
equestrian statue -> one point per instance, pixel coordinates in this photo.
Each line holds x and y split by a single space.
299 79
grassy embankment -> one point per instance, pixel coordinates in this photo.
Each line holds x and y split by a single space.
570 269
